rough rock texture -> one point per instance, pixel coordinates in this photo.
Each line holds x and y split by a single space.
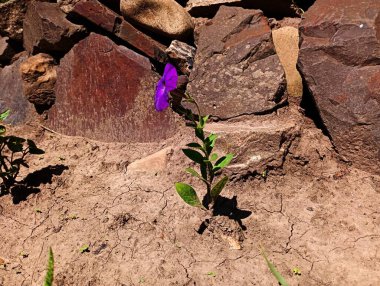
182 55
236 70
165 17
39 75
111 22
207 8
12 15
259 144
6 51
340 61
11 95
286 41
105 92
47 30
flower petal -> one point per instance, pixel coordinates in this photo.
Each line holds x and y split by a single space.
170 77
161 99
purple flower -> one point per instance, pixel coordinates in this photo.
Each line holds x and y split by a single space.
167 83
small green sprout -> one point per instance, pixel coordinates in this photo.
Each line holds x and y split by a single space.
211 274
281 280
50 269
24 254
296 271
38 210
84 248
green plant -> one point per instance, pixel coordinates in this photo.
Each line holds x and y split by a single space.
201 153
84 248
13 151
50 269
281 280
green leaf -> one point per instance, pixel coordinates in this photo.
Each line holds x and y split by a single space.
202 121
193 172
223 162
274 271
194 145
194 155
50 269
33 149
2 129
199 133
4 115
84 248
213 157
203 168
15 143
215 191
188 194
211 139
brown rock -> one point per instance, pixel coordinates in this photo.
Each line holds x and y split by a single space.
11 96
182 55
236 70
106 92
6 51
39 75
47 30
12 15
166 17
156 162
208 8
340 61
286 41
108 20
258 144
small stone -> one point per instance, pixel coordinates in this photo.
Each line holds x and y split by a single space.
39 76
46 29
166 17
182 55
154 163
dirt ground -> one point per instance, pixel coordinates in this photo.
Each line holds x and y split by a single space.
322 218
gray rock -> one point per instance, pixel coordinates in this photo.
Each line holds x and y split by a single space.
236 70
182 55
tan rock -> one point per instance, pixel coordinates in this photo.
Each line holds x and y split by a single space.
151 164
165 17
39 76
286 43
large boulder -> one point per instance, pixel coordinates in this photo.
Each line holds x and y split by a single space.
39 75
236 69
165 17
106 92
47 30
340 62
11 95
12 15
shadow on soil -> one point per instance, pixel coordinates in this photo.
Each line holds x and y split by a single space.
227 207
30 184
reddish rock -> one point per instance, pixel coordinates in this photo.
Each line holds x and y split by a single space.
106 92
46 29
340 61
111 22
11 95
236 70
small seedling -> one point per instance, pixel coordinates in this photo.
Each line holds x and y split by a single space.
201 153
13 151
84 248
38 211
24 254
141 280
297 271
211 274
50 269
73 216
281 280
